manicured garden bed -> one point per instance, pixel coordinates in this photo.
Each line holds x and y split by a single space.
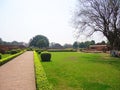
83 71
8 57
41 79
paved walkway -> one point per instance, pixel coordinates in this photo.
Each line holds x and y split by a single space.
18 74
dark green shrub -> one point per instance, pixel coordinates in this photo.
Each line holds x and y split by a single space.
62 50
45 56
39 52
13 52
18 50
0 56
8 52
29 49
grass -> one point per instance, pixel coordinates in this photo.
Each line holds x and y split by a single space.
83 71
41 79
8 57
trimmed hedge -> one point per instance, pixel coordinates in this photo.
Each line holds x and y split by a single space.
0 56
5 60
41 79
45 56
38 51
13 52
62 50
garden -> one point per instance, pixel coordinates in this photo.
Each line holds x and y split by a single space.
9 55
78 71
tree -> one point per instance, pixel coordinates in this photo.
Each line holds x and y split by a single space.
67 45
86 44
100 16
56 45
14 43
75 45
1 42
101 43
39 41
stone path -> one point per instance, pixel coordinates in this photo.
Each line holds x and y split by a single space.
18 74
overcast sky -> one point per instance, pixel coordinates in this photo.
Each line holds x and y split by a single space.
21 20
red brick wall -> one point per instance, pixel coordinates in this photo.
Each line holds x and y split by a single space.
4 48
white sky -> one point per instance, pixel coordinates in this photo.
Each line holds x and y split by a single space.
21 20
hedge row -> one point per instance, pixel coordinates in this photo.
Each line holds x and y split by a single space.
41 79
5 60
13 51
61 50
0 56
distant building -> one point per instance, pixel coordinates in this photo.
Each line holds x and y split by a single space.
98 48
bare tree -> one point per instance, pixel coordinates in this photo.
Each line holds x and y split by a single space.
102 16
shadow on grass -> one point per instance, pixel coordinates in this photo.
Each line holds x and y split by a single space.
115 62
95 86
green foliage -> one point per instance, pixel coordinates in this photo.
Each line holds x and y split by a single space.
29 49
13 51
83 71
5 60
39 41
38 51
62 50
86 44
0 56
75 45
45 56
41 79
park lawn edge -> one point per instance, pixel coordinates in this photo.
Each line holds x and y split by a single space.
5 60
40 75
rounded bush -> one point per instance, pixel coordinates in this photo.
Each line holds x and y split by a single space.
0 56
46 56
13 52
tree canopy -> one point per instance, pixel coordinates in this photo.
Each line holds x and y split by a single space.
75 45
100 16
39 41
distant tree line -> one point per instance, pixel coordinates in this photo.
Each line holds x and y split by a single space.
59 46
86 44
11 43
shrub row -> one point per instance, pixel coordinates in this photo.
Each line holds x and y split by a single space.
41 79
13 51
62 50
0 56
45 56
38 51
5 60
29 49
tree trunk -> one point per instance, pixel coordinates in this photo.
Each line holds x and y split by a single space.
114 53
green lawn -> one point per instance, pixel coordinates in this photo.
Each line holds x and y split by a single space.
83 71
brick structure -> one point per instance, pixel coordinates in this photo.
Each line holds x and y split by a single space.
4 48
98 48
